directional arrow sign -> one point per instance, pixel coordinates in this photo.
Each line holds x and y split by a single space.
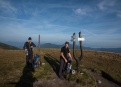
73 39
81 39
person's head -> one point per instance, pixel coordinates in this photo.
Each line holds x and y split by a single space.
29 39
66 44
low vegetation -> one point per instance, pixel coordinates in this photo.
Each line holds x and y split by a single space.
14 72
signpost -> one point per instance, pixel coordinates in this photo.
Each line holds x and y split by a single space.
39 45
80 39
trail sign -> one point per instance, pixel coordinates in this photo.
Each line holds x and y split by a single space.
81 39
78 59
73 38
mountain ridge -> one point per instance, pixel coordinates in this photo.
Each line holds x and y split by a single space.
51 45
7 47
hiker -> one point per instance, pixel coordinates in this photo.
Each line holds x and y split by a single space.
28 47
65 56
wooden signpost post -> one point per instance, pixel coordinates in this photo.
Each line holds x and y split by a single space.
39 45
80 39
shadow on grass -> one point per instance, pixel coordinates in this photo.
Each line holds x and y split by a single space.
53 62
27 79
108 77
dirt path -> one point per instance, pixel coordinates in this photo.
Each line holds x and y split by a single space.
55 82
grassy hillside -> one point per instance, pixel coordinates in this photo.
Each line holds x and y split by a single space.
14 72
8 47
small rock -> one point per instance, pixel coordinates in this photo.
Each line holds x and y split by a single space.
99 81
43 63
81 73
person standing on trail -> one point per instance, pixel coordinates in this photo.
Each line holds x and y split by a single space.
64 57
28 47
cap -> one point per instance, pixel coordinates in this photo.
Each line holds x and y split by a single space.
29 38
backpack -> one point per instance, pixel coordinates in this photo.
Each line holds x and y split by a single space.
69 67
36 61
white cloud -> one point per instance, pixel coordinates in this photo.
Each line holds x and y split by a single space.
119 14
105 4
20 31
7 7
80 11
16 19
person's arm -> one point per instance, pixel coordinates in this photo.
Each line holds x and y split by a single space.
63 56
33 45
24 47
70 56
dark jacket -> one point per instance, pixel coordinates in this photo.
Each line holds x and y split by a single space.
65 51
27 46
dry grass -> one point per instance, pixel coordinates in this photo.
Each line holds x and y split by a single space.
12 63
104 61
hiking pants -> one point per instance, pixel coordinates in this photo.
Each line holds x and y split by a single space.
62 66
29 58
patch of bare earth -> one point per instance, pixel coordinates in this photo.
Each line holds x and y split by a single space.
55 82
100 80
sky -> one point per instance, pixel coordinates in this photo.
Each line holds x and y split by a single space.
56 20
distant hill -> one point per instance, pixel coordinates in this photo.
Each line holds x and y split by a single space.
8 47
49 45
116 50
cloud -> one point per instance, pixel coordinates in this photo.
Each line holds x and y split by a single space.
80 11
105 4
7 7
119 14
56 22
18 19
20 30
